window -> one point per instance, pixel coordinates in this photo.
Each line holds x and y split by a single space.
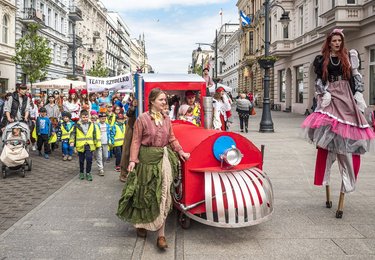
350 2
282 85
372 76
251 42
333 3
299 84
5 29
56 22
300 20
62 25
49 17
316 13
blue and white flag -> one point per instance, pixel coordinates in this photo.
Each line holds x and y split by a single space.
245 19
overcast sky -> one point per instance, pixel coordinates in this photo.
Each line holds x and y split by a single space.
172 27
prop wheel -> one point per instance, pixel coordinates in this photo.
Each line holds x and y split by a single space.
184 220
328 204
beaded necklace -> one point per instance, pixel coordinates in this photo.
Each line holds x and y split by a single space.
334 64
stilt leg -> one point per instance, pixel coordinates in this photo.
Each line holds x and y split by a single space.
340 208
328 197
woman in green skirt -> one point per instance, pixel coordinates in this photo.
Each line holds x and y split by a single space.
146 198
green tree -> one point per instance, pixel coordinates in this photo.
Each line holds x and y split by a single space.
33 54
99 69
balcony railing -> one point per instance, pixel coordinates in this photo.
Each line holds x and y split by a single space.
75 13
32 15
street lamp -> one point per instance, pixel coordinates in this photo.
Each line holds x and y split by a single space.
266 124
216 80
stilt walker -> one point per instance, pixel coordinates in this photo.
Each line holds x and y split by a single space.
338 127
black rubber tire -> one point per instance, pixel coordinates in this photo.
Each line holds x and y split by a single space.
23 172
184 220
29 165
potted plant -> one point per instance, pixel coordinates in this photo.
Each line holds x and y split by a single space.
267 62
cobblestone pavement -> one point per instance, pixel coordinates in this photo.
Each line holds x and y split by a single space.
20 195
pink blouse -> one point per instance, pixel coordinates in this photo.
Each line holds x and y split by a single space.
146 133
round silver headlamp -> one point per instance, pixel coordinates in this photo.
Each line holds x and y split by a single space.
232 156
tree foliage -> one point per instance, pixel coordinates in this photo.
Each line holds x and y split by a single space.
198 69
33 54
99 69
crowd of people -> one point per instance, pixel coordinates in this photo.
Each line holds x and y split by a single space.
92 125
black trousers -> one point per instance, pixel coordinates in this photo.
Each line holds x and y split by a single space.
85 155
43 140
244 120
118 153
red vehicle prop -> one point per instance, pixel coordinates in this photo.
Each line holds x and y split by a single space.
222 184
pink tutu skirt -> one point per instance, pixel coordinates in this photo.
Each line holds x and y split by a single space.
340 127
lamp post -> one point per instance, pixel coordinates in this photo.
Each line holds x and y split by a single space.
266 124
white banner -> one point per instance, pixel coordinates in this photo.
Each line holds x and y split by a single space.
121 82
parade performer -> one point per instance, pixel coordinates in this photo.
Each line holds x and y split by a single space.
131 115
117 139
338 127
66 128
85 139
146 199
72 105
221 105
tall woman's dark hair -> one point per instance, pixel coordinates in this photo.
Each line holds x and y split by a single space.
342 54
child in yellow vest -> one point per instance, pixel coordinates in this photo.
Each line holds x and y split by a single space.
117 139
65 129
86 139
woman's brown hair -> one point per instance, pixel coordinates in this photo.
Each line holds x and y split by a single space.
342 54
155 92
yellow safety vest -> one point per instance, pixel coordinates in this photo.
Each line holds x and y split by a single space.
82 139
52 139
65 134
119 136
98 142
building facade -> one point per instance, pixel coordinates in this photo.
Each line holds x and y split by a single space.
90 33
228 60
297 46
138 56
7 45
251 39
118 45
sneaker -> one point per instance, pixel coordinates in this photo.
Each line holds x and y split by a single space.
69 158
246 130
88 176
46 156
33 147
40 153
101 173
81 176
65 158
117 169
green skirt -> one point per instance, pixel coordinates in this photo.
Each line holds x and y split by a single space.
140 199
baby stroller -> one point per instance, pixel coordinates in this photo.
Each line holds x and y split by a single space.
15 153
